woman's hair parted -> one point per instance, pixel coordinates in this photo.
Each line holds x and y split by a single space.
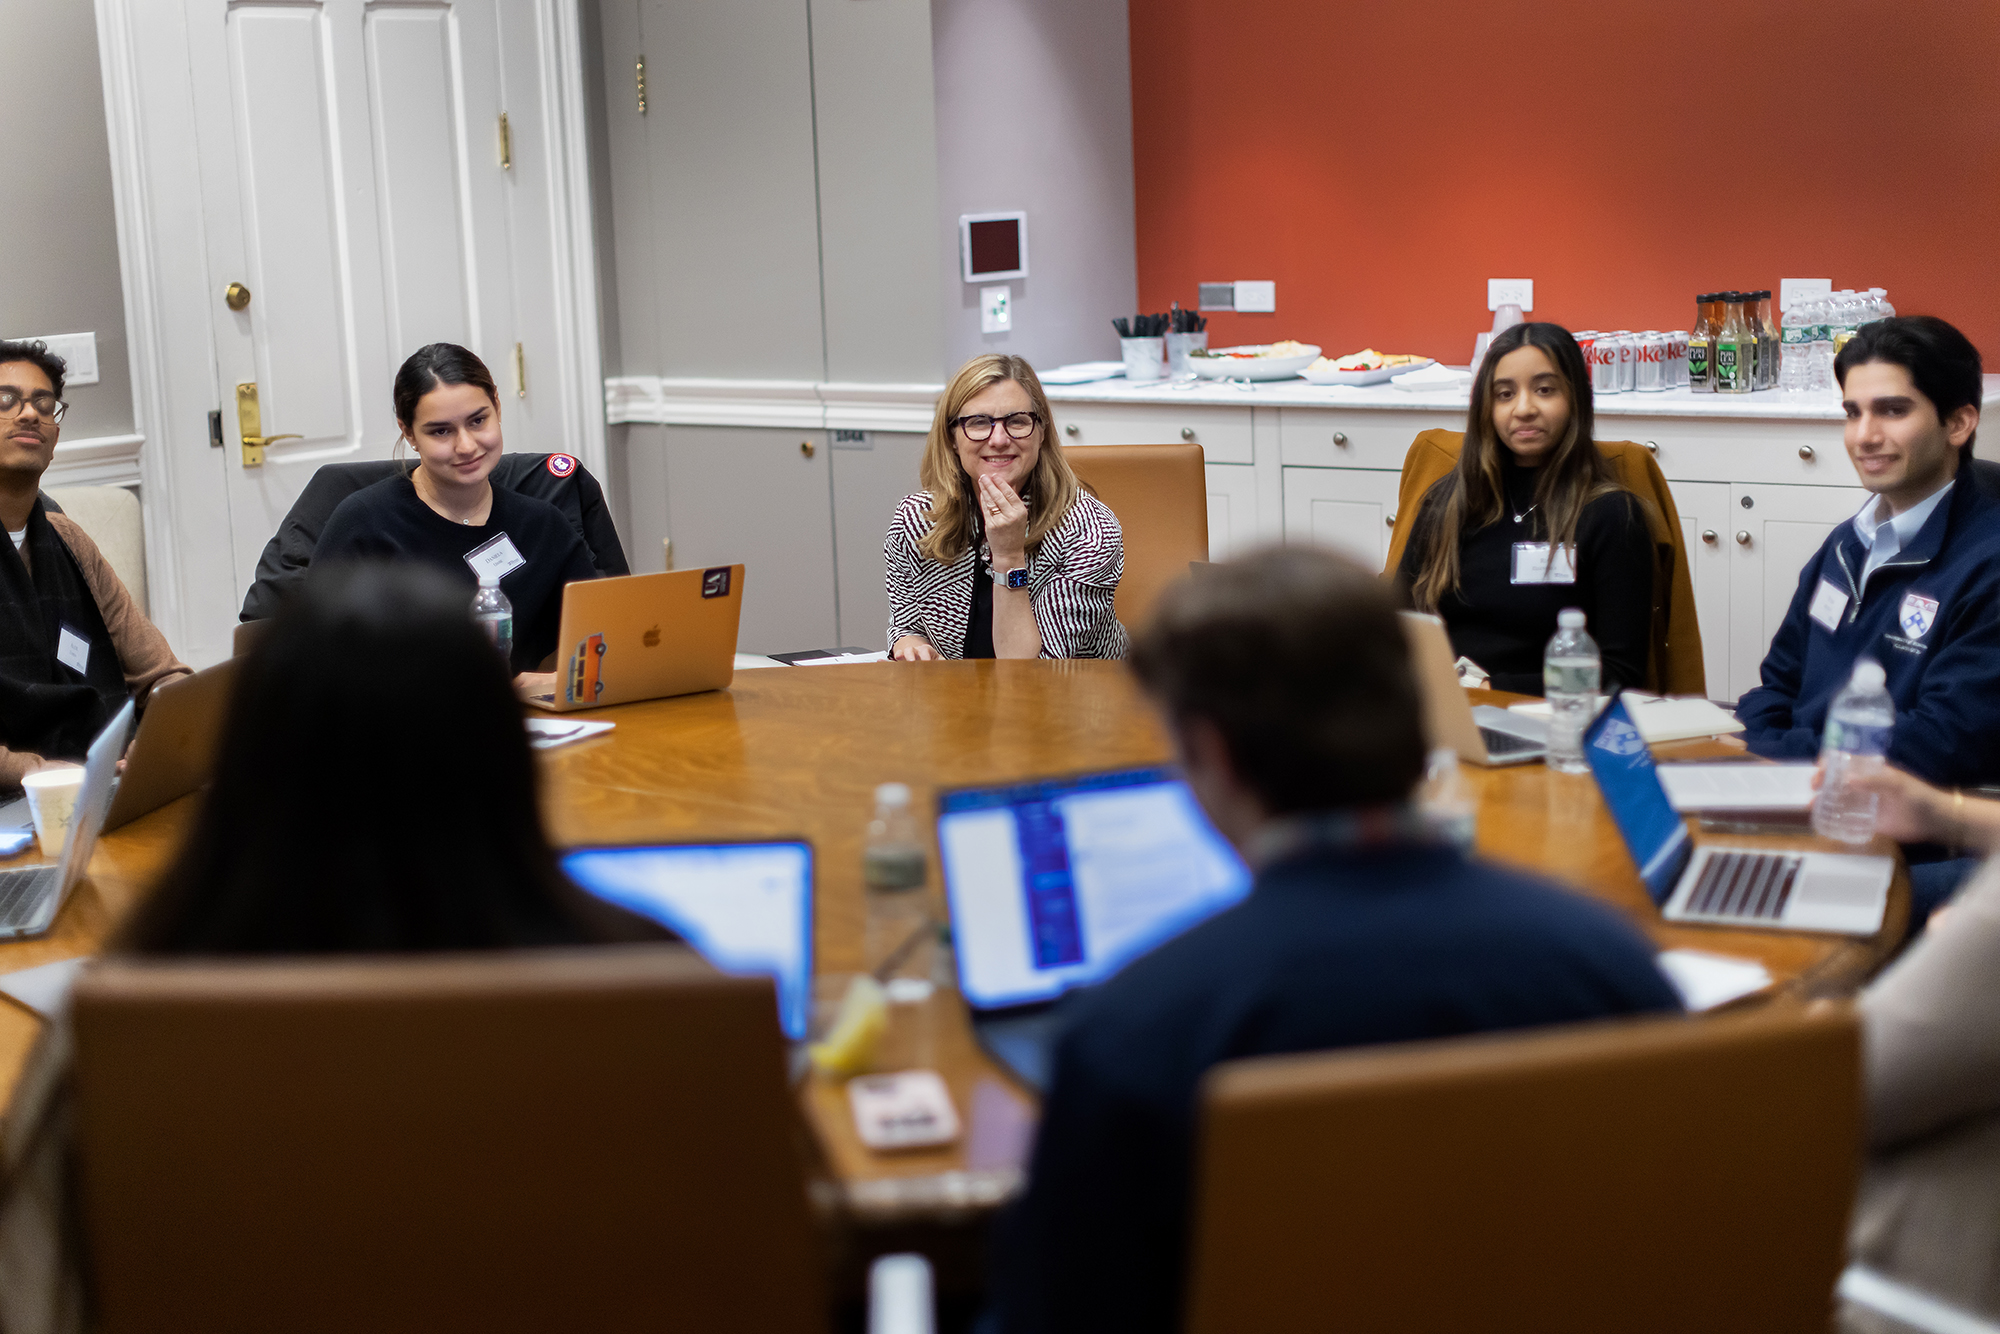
435 364
1050 489
1470 496
373 793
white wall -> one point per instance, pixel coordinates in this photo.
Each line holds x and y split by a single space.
59 244
1034 111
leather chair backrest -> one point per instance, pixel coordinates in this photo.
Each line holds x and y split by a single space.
538 1140
1160 495
1659 1175
556 478
111 515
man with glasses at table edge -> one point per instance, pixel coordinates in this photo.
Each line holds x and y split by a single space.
76 644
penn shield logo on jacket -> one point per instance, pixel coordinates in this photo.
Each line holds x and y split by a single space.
1918 614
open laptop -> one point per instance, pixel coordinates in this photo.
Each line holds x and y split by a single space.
173 752
31 896
747 908
1717 885
1058 883
1484 735
646 636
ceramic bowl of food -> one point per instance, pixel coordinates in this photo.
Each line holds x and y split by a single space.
1253 361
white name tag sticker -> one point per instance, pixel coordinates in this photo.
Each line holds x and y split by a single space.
1533 564
496 556
1827 605
73 651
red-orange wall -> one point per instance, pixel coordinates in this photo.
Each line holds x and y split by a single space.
1380 161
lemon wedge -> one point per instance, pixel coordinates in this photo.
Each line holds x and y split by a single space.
850 1045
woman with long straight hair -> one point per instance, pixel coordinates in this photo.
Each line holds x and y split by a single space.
1003 554
1532 520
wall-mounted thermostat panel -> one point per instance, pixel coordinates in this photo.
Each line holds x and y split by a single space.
993 245
1510 292
1253 297
79 354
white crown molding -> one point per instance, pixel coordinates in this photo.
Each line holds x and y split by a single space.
783 404
96 460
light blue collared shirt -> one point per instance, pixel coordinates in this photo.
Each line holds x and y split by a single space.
1884 538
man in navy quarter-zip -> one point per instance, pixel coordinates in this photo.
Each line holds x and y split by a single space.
1913 581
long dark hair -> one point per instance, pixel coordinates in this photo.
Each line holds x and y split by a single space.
374 792
1469 498
435 364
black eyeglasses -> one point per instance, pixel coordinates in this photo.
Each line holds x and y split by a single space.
50 406
1020 425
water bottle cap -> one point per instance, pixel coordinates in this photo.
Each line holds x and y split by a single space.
892 794
1570 618
1869 675
488 579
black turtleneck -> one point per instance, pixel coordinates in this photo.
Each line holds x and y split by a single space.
1504 626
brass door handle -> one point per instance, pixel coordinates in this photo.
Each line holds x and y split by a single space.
805 449
250 426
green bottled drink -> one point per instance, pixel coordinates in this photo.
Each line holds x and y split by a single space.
1735 355
1701 346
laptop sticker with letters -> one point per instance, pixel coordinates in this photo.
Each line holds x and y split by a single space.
1827 605
715 582
1917 615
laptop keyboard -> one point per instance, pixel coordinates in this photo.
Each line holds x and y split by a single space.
1745 884
22 892
1506 743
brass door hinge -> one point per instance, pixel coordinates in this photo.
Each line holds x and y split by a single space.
520 372
642 85
506 145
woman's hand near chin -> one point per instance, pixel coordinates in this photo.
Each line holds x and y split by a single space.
914 648
1006 516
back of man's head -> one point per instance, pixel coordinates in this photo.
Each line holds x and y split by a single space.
1298 659
1942 362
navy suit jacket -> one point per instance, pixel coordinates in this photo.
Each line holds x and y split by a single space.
1333 948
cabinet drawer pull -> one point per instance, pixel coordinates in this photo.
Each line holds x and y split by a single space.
1742 537
1391 521
1187 432
1340 438
1708 536
1070 430
1653 448
1806 452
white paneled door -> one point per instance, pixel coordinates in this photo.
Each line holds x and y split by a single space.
360 198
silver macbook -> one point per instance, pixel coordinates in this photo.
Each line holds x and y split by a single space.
1484 735
31 896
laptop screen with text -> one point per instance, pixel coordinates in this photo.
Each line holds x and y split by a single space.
744 907
1058 883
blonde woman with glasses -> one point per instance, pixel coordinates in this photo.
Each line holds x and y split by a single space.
1003 554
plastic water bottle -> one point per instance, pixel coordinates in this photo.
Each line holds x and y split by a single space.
901 939
1847 318
1856 738
1819 313
1447 803
495 615
1883 310
1571 674
1793 371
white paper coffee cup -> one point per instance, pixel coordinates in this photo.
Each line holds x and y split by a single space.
52 795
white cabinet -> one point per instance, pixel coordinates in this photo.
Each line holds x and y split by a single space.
1772 532
1349 509
1705 532
1225 434
1232 509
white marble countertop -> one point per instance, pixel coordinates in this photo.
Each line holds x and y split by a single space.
1771 405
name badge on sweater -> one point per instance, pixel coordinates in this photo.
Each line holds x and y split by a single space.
1827 605
1534 564
496 556
73 651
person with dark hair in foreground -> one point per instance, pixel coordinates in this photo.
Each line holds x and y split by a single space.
447 513
316 838
1911 582
1286 683
76 644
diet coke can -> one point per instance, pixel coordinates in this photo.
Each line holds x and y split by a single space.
1677 367
1604 364
1584 339
1628 361
1649 362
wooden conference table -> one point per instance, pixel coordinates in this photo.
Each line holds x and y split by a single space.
798 751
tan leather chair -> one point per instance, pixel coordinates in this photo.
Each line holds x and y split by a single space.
1160 495
111 515
1661 1175
542 1140
1675 664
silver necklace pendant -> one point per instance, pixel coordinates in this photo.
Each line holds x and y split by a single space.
1522 517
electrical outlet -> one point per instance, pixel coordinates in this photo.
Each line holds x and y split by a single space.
996 309
79 354
1791 290
1259 298
1510 292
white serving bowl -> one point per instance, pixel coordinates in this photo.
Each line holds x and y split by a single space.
1252 368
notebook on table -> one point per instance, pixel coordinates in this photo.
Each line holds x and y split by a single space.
1715 884
1058 883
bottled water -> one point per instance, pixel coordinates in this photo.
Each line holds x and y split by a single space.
1447 802
901 939
495 615
1883 310
1856 738
1793 371
1819 313
1571 673
1847 318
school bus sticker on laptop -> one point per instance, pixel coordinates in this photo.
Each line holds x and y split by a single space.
586 671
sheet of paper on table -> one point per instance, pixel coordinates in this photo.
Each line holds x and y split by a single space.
1707 980
1660 720
1737 786
548 733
